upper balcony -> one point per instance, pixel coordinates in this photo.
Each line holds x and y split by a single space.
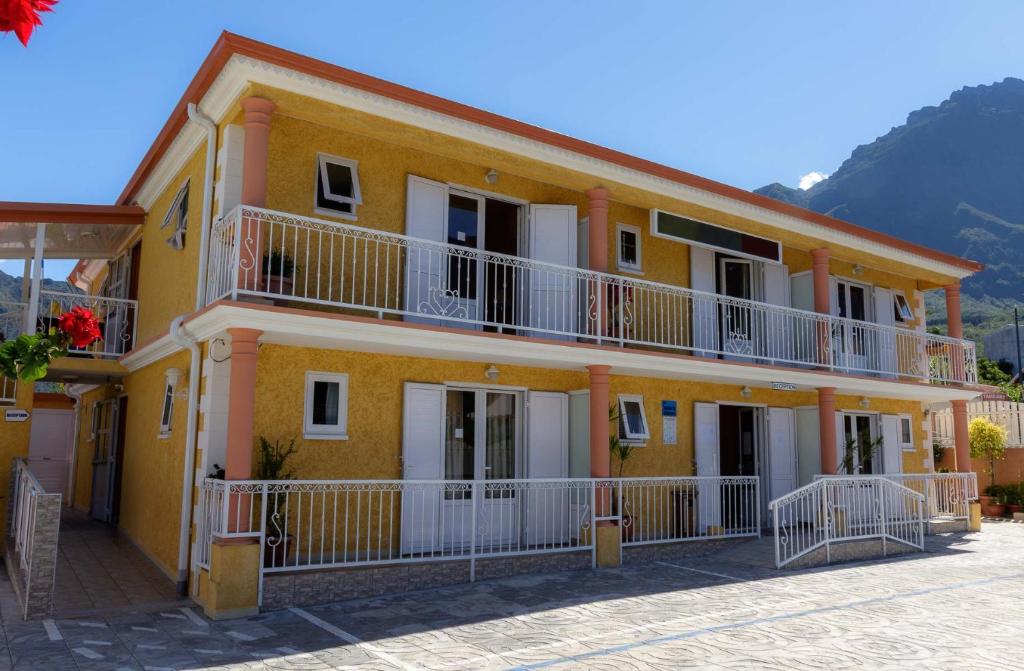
288 258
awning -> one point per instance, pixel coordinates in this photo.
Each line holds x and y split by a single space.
71 231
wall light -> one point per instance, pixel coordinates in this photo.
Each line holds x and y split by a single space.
858 269
491 177
491 372
745 392
865 402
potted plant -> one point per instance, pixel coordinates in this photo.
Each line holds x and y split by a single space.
993 502
1014 498
271 467
987 441
621 451
278 274
28 357
856 454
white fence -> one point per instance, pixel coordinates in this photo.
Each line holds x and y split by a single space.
280 256
33 523
839 509
117 318
1007 414
12 324
316 524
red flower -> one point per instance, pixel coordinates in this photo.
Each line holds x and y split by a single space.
80 327
22 16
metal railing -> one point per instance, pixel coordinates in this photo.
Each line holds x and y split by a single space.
316 524
841 508
33 523
12 324
1007 414
947 496
117 319
280 256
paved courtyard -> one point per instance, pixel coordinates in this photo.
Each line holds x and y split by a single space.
958 606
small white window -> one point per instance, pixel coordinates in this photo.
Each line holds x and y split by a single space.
177 218
326 406
627 247
337 186
167 411
903 313
632 418
906 432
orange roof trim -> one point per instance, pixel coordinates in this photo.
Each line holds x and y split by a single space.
228 44
70 213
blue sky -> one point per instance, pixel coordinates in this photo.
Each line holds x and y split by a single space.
743 92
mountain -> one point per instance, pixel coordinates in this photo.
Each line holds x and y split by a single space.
951 178
10 287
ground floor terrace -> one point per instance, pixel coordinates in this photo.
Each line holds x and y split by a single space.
727 608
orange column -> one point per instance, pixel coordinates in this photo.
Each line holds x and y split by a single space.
822 303
955 329
597 218
961 437
241 406
827 430
254 187
600 455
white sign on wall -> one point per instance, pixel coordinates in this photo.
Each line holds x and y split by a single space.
16 415
783 386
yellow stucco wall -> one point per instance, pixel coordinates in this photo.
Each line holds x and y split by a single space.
14 438
152 466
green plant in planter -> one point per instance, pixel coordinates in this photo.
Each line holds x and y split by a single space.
855 453
277 262
271 466
988 441
938 453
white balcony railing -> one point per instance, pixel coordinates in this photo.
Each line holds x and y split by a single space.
318 524
838 509
947 496
116 316
12 324
279 256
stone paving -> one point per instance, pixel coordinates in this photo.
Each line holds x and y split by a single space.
958 606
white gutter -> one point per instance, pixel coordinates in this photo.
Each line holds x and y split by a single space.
75 392
204 230
185 340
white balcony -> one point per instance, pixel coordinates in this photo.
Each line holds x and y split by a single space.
287 258
116 317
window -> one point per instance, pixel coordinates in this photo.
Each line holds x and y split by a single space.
177 218
903 313
675 227
337 186
906 432
326 406
632 418
167 411
627 247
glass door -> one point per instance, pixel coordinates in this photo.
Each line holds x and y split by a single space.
482 442
735 279
464 230
859 444
852 340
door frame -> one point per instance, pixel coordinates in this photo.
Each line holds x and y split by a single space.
761 455
875 427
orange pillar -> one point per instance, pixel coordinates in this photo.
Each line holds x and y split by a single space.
955 329
241 406
827 430
961 437
822 303
254 187
597 218
600 455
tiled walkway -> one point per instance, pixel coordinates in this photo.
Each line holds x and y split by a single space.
959 606
100 572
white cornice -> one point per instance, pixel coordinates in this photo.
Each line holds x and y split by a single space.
241 70
301 329
149 353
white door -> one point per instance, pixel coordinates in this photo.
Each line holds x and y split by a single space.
782 461
553 292
104 460
548 513
49 448
778 329
736 280
892 452
852 341
426 217
808 444
885 349
704 319
463 275
422 448
706 451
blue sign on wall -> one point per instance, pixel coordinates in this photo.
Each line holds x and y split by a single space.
668 408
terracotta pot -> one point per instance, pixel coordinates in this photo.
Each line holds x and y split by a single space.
275 551
986 500
1012 508
993 509
276 284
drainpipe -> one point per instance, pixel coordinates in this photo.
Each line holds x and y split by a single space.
74 392
204 230
182 338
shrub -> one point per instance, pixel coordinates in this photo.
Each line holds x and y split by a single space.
988 441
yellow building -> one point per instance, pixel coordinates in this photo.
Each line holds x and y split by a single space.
471 309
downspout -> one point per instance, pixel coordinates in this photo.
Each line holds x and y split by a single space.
73 392
204 230
182 338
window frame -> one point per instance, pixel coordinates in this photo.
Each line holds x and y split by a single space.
167 410
725 250
321 181
637 267
625 435
179 235
337 431
898 316
904 446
